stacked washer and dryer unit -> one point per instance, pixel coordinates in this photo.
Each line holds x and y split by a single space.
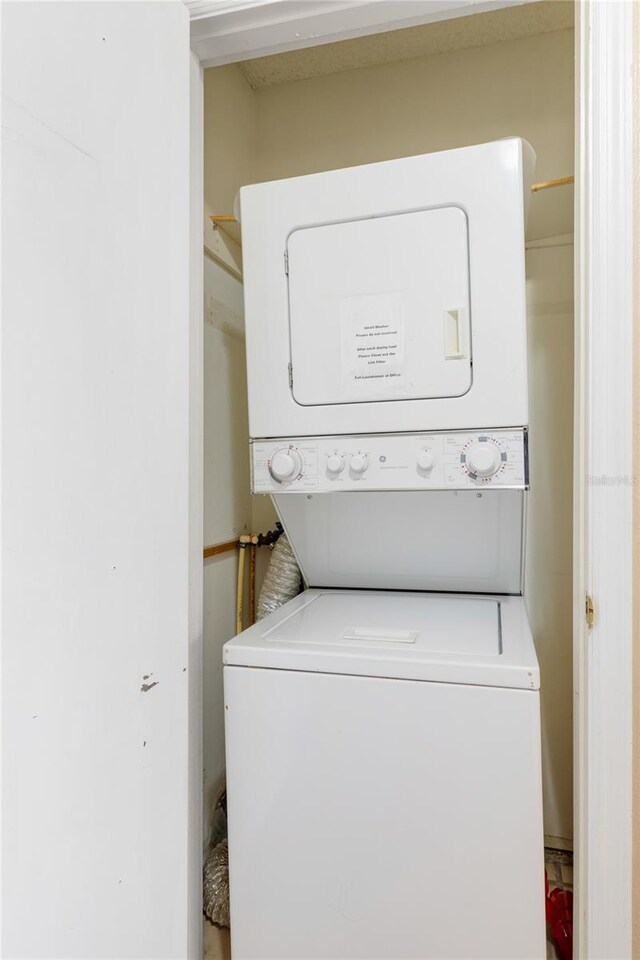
383 728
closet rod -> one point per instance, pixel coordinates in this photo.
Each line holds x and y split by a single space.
560 182
217 548
267 539
535 187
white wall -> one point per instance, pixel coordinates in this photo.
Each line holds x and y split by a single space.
95 482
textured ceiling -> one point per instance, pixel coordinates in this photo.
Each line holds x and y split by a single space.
428 40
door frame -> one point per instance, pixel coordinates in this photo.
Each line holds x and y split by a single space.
603 479
603 439
228 31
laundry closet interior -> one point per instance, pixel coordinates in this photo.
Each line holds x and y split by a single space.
506 73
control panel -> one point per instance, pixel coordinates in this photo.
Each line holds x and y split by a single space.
425 461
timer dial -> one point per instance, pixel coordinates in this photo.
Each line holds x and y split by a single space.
483 458
285 464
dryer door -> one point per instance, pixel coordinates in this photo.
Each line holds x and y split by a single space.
379 309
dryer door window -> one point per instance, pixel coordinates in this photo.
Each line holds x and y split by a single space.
379 309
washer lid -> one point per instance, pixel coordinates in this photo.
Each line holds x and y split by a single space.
449 639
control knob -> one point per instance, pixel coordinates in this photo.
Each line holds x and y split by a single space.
426 459
335 463
359 463
286 464
483 458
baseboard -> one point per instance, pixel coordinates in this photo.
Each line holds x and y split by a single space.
558 843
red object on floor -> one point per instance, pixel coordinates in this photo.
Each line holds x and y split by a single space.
559 910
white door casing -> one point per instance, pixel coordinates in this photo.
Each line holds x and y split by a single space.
603 409
603 480
227 31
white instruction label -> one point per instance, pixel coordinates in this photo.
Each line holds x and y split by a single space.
372 345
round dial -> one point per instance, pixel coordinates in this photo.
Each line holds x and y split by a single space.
483 458
426 459
359 463
335 463
286 464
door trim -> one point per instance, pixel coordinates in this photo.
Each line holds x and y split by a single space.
228 31
603 434
196 508
603 479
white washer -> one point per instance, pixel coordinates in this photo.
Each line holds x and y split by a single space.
383 772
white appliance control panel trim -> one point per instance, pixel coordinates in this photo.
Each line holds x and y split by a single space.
461 460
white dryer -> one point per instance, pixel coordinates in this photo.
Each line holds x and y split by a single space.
389 297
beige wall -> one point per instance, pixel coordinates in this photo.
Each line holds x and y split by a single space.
227 501
229 138
229 162
520 87
636 511
549 575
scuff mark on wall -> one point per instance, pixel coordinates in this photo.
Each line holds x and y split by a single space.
51 129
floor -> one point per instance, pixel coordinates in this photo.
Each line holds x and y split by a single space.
216 944
559 866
